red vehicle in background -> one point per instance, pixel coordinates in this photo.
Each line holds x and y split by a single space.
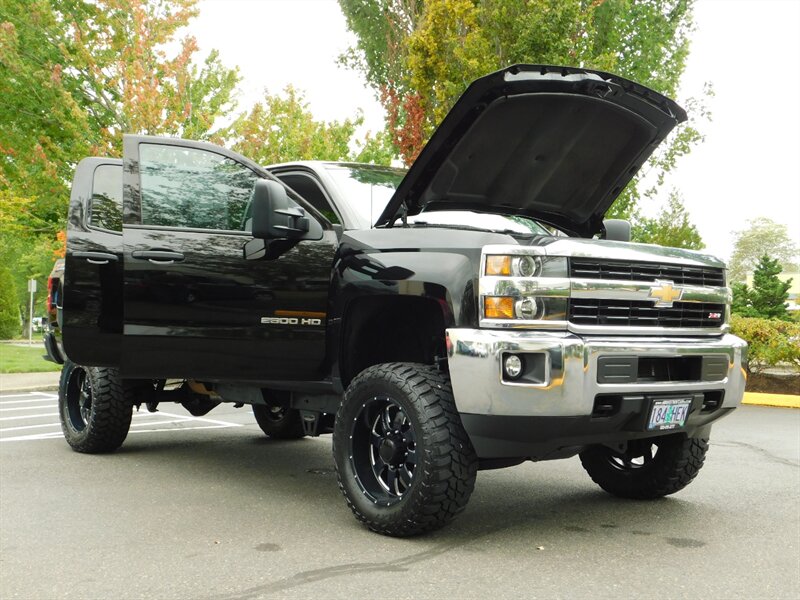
52 328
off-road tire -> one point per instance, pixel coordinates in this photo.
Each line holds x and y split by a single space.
279 423
102 424
446 465
674 465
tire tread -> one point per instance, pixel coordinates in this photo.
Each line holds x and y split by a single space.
446 490
679 463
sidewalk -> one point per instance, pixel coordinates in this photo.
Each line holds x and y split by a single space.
28 382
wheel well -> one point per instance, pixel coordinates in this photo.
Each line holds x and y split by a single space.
390 329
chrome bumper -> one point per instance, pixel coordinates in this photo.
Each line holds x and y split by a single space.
571 383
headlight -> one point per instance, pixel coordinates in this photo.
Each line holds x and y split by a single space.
526 288
526 266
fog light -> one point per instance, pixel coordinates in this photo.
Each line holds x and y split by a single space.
512 366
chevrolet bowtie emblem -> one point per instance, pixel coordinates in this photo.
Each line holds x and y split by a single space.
665 293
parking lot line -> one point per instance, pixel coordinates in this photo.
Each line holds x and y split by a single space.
28 401
37 407
35 436
27 395
151 423
42 425
223 423
18 417
184 428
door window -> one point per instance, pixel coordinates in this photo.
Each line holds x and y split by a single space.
192 188
309 189
106 207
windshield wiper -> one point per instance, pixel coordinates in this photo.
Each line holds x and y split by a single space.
512 232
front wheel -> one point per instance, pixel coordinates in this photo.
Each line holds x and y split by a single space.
95 407
403 460
648 468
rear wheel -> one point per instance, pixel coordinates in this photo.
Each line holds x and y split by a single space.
279 422
403 460
648 468
95 407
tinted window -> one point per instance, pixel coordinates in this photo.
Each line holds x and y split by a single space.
187 187
309 189
106 209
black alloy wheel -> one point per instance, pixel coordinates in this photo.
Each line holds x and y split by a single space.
95 407
404 463
384 445
79 399
648 468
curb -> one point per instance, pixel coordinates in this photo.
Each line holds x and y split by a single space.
29 388
779 400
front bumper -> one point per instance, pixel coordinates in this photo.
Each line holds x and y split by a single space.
505 418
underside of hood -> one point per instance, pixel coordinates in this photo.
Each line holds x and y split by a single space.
555 144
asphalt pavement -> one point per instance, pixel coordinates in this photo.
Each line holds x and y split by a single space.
210 508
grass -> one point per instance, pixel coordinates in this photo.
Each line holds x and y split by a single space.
24 359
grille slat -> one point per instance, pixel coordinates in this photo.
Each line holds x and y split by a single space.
643 314
587 268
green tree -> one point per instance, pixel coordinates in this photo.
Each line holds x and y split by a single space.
76 74
420 55
769 294
763 237
742 303
282 128
376 149
9 308
671 227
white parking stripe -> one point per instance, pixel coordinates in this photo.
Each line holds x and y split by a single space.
27 394
37 436
37 407
223 423
58 434
185 428
28 401
151 423
17 418
30 427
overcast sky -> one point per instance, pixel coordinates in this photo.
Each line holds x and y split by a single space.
749 165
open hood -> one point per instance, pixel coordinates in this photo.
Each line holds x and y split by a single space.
556 144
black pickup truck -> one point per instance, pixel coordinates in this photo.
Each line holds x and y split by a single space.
472 313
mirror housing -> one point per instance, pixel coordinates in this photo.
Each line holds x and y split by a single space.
617 230
274 216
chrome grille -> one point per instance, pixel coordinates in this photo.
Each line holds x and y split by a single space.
635 313
588 268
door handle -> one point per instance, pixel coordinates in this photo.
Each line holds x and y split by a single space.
97 258
159 257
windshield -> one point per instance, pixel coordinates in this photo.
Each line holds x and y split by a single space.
367 190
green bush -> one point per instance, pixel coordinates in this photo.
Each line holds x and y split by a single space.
772 342
10 324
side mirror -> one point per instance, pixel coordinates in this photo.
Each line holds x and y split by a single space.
274 215
617 230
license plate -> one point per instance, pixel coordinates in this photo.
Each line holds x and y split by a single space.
668 414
